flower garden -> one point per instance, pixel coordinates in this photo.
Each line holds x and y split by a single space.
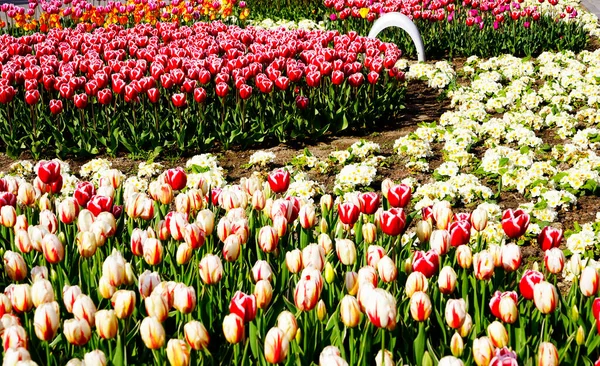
252 183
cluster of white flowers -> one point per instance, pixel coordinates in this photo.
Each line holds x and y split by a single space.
21 168
262 158
149 170
205 168
303 187
354 175
134 185
438 75
94 166
364 149
414 149
583 240
307 24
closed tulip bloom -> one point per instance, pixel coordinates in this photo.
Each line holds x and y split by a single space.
483 265
279 180
547 355
504 357
178 352
392 221
465 328
114 268
184 254
123 301
41 292
244 306
387 269
96 358
288 323
464 256
268 239
276 346
86 244
374 255
293 260
157 307
369 231
306 294
447 280
211 269
415 282
307 216
497 334
399 195
351 282
457 345
15 266
349 311
508 309
479 219
450 361
483 350
386 357
263 292
380 307
460 233
22 242
550 237
321 310
325 242
233 328
588 281
545 297
152 251
348 213
424 233
184 298
346 251
20 298
46 321
456 312
313 256
152 333
53 249
77 332
231 248
84 309
196 335
442 214
511 257
107 324
13 356
193 235
440 241
26 194
420 306
426 262
515 223
529 279
206 220
8 216
554 259
70 294
68 210
14 336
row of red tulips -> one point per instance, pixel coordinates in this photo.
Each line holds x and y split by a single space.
240 85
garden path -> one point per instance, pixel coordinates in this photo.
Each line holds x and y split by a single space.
593 6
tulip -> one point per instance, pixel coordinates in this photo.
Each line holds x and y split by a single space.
380 307
15 266
152 333
123 301
13 356
268 239
14 337
456 312
460 233
424 233
515 223
279 180
95 357
384 359
178 352
554 259
184 298
48 171
369 202
184 254
447 280
211 269
348 213
504 357
84 309
157 307
196 335
420 306
479 219
393 221
529 279
325 242
107 324
293 260
457 346
374 255
233 328
276 346
547 355
442 214
53 249
399 195
508 308
114 268
415 282
70 295
263 292
588 281
20 298
307 216
77 332
497 334
8 216
511 257
46 321
483 265
346 251
387 269
426 262
306 294
349 311
482 351
152 251
369 231
56 106
262 271
313 256
41 292
244 306
147 282
321 310
549 238
545 297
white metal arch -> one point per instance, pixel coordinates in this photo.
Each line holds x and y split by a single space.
400 20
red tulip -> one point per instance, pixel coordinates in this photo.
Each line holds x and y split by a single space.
282 83
118 85
245 91
48 171
550 237
372 77
222 89
515 223
279 180
98 204
243 306
427 213
81 101
200 95
188 85
56 106
337 77
356 79
313 79
153 95
176 178
528 281
105 96
399 195
301 102
179 100
348 213
83 192
7 94
596 308
393 221
495 301
460 232
369 202
426 262
32 96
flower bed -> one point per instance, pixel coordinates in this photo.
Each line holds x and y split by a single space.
167 87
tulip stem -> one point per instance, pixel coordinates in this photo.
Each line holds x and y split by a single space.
383 346
47 344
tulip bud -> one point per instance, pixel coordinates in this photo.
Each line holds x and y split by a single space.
329 273
326 203
233 328
483 350
262 271
420 306
424 231
497 334
293 261
349 311
442 214
152 333
479 219
575 313
369 231
447 280
107 324
547 355
427 361
178 352
77 332
46 320
276 346
196 335
287 322
511 257
457 345
263 292
321 310
352 283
